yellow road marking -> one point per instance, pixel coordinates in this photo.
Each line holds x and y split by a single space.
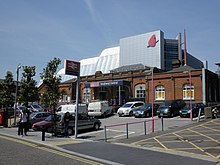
142 141
216 123
52 151
210 128
204 136
195 146
18 141
161 144
69 156
64 142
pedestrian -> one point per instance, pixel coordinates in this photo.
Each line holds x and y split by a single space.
22 124
67 118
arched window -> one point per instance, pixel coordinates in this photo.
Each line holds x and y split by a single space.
64 97
160 93
86 95
140 91
186 92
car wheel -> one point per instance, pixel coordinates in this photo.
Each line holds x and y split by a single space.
131 113
70 131
49 130
171 115
104 115
147 114
195 115
96 126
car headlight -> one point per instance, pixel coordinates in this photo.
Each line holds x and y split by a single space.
189 111
127 110
166 110
180 111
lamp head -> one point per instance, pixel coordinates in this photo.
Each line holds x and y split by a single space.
19 66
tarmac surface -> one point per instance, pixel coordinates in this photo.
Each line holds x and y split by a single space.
197 143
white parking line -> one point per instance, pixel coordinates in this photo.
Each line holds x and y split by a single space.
123 135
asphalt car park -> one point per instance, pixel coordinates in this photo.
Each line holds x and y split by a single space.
201 139
115 127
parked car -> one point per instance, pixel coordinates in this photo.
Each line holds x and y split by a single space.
84 122
99 108
185 111
170 108
33 107
71 108
127 108
37 116
145 110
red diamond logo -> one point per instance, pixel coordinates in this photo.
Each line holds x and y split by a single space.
152 41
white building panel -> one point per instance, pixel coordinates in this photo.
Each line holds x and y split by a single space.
145 48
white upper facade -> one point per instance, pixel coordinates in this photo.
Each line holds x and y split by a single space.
108 60
147 49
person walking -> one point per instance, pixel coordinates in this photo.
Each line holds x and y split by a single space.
22 126
67 118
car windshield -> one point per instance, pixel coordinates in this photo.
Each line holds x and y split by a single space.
32 114
166 103
187 106
36 106
147 106
127 105
163 108
21 108
51 117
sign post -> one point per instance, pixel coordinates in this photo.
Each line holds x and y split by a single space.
73 68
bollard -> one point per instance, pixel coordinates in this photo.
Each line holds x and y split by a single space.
43 135
127 130
105 134
199 115
145 127
162 122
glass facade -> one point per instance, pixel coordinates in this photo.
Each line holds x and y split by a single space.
171 52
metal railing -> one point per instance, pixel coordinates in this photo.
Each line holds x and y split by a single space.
126 125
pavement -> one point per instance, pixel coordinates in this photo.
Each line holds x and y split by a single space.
197 143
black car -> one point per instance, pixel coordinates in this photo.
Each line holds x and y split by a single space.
145 110
185 111
170 108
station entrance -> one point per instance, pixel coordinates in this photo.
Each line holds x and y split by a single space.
115 92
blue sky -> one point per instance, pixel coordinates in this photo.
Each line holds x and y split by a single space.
32 32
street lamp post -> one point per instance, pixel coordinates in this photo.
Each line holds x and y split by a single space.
16 92
152 74
152 93
190 94
190 82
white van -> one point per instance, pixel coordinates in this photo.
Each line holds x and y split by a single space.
127 108
82 108
99 108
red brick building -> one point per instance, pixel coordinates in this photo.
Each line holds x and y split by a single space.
125 84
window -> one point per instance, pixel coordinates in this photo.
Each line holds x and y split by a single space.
140 91
86 95
186 92
160 93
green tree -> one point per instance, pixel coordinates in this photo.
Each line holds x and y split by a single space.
51 95
7 90
28 88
